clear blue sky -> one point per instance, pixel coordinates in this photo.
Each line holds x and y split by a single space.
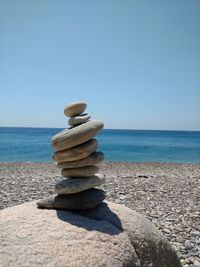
136 63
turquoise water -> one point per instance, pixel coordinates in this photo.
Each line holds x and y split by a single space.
33 145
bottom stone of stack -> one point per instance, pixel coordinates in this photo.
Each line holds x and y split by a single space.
75 185
81 201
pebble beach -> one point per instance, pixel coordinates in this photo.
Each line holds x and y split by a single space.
165 193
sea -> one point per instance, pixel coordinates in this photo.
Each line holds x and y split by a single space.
34 145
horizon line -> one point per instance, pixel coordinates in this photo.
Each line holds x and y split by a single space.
126 129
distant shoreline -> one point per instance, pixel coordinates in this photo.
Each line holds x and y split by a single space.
34 145
109 129
106 162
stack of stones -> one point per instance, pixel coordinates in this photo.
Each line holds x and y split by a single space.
76 156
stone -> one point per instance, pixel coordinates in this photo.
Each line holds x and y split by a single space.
188 244
167 231
80 201
75 185
75 109
75 153
80 172
178 228
74 121
196 263
195 233
69 138
93 159
109 235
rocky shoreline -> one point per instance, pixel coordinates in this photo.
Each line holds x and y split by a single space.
166 194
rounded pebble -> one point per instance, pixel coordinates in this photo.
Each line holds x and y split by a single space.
75 153
93 159
74 109
75 185
69 138
78 120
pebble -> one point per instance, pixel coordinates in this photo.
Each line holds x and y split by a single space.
195 233
79 119
74 109
81 201
188 244
196 263
93 159
167 231
80 172
75 185
69 138
178 228
75 153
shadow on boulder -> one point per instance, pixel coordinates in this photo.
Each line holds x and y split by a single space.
80 219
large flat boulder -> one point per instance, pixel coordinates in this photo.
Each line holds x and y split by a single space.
110 235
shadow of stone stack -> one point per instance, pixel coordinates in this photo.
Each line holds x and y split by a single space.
75 154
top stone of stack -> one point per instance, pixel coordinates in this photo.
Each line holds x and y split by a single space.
75 109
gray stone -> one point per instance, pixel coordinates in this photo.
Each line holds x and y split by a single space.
178 228
75 153
167 231
196 263
80 172
75 185
74 121
69 138
188 244
109 235
80 201
74 109
195 233
93 159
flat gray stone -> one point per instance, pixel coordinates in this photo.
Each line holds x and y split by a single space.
80 201
93 159
80 172
75 185
69 138
75 153
80 119
109 235
74 109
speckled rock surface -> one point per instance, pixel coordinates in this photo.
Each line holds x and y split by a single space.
110 235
